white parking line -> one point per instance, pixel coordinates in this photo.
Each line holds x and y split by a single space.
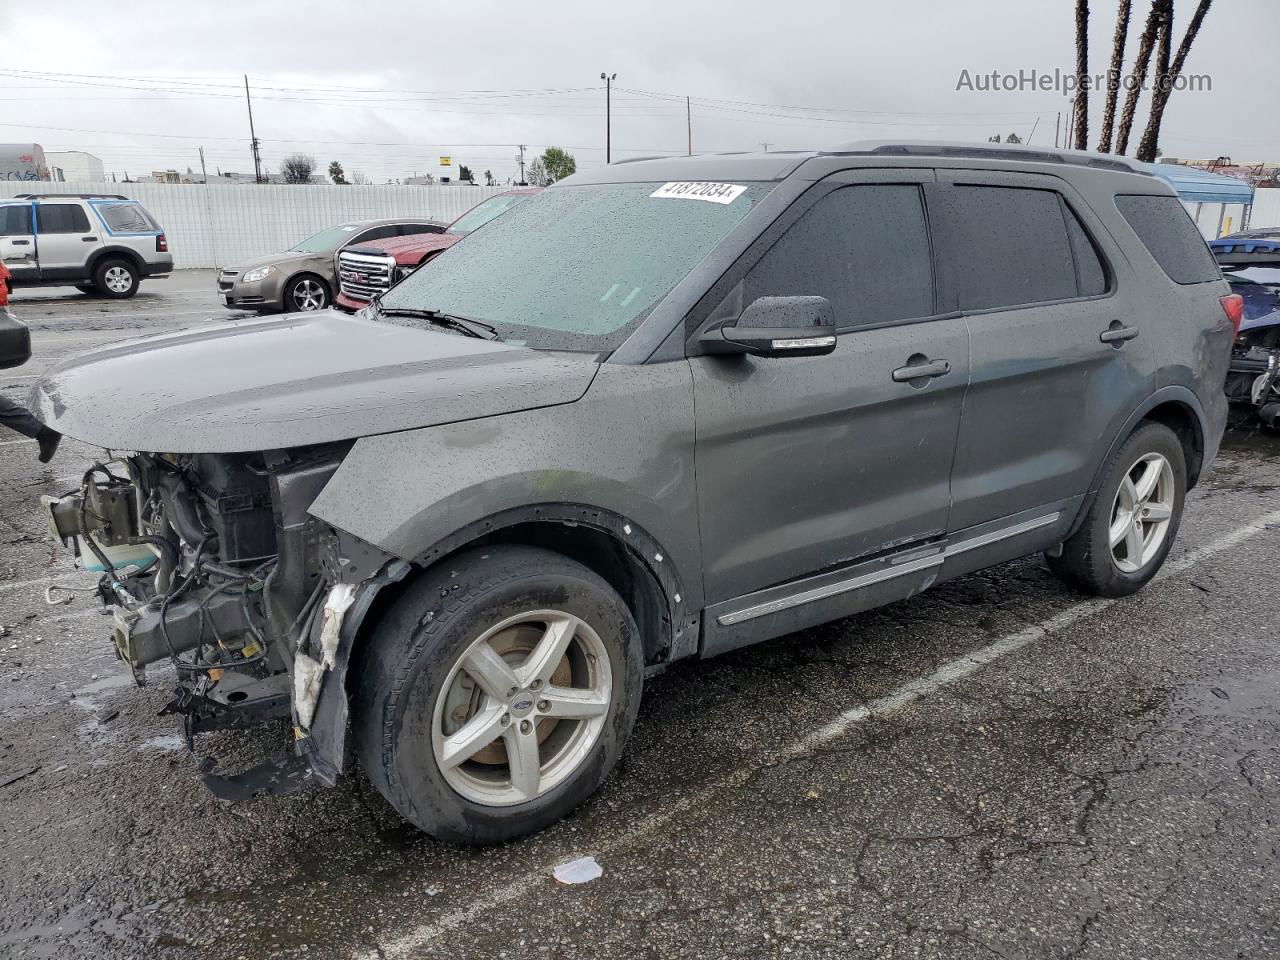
13 443
949 673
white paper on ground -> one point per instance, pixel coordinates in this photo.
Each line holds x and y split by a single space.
582 870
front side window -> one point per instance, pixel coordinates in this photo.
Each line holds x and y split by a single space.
61 218
865 248
15 220
378 233
1165 228
574 267
1005 246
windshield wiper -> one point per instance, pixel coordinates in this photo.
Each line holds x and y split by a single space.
472 328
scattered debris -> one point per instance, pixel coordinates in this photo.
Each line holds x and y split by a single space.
8 778
582 870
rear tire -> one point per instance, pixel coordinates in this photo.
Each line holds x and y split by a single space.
1134 519
468 762
116 279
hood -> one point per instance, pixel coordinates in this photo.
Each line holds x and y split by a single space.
293 380
274 260
409 251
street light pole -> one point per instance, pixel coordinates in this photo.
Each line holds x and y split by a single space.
608 87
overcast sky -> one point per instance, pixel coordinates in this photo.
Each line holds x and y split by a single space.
387 87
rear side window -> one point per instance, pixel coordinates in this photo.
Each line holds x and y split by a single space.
61 218
15 220
126 218
1006 246
1163 226
840 249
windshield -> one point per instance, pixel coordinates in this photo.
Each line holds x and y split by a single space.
482 213
326 241
577 268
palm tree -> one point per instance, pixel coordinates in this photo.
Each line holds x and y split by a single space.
1146 43
1149 145
1113 75
1081 136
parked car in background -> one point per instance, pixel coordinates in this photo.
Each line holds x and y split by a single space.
1251 265
454 533
365 271
302 277
99 243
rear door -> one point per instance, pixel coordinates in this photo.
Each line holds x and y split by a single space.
804 464
18 241
1056 356
64 239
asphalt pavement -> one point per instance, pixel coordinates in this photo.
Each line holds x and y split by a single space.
997 768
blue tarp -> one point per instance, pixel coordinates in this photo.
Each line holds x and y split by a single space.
1199 186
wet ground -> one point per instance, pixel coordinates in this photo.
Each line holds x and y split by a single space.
998 768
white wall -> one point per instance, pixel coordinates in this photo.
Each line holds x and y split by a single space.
68 165
217 224
1266 208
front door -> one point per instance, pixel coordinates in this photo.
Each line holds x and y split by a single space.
805 464
18 242
64 240
1053 362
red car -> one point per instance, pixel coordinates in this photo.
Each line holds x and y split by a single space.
365 272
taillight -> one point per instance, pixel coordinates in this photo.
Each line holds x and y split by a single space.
162 243
1233 307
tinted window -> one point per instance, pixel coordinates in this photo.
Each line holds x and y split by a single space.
61 218
1091 278
126 218
1163 226
864 248
377 233
15 220
1005 246
413 229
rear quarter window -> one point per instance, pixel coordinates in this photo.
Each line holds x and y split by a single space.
1165 229
126 218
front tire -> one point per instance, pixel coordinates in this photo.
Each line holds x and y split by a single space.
1134 519
497 693
116 279
305 294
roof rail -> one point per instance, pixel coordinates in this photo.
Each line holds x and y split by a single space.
976 151
71 196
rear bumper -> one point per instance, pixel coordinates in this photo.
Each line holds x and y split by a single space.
159 266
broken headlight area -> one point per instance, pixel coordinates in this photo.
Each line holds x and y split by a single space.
212 563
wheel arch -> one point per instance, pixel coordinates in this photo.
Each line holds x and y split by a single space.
298 275
1176 407
116 253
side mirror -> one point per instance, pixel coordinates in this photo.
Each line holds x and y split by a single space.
777 327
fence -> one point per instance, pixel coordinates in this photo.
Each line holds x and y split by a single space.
217 224
1266 208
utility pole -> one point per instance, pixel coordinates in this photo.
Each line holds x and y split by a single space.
688 119
520 160
608 89
253 137
766 146
1057 126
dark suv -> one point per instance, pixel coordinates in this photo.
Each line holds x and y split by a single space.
661 410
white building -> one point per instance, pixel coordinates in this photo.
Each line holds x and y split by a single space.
74 166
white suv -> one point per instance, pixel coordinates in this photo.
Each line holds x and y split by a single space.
100 243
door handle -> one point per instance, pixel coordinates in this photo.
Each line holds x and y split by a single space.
936 368
89 239
1116 334
20 243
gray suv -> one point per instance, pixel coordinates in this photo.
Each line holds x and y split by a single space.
100 243
661 410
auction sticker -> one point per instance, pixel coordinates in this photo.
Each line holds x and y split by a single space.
700 190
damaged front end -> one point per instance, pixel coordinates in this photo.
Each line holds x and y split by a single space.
212 563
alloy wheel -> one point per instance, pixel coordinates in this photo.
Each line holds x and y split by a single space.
522 708
308 295
1142 512
118 279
